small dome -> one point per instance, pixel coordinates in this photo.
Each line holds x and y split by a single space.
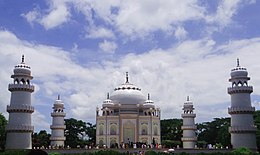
127 93
239 71
107 101
149 102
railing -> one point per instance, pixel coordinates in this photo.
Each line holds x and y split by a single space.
189 138
239 110
58 138
242 129
19 87
241 89
55 114
189 127
58 126
188 115
20 108
19 128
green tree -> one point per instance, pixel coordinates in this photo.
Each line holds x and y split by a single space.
75 132
91 132
3 123
215 132
41 139
171 132
257 123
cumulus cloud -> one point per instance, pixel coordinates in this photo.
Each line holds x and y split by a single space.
58 15
99 32
134 19
180 33
192 67
108 46
31 16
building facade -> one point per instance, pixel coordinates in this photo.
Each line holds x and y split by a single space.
189 138
57 128
242 130
127 118
19 129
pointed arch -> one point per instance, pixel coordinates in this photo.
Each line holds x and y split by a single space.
144 129
239 84
113 129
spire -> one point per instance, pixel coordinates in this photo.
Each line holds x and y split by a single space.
238 62
59 97
107 95
148 96
22 59
188 98
127 78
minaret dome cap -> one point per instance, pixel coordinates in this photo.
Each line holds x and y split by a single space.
239 71
22 68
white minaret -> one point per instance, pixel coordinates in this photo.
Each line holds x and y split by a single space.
189 138
243 131
57 128
19 129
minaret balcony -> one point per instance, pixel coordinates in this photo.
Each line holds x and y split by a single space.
19 128
189 139
58 127
242 129
20 108
191 115
58 114
21 87
57 138
241 89
241 110
189 127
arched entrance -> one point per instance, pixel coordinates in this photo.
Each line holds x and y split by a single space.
129 132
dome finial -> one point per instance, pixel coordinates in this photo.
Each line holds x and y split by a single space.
127 78
238 62
59 97
148 96
107 95
22 58
188 98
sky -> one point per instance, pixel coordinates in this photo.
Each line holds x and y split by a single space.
172 49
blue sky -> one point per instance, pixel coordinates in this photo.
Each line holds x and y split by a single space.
81 50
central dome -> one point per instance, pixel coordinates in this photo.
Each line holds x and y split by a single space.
127 93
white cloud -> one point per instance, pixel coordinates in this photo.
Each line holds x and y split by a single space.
31 16
191 68
99 32
180 33
57 16
108 46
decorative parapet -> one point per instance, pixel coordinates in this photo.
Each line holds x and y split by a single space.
58 127
189 139
21 87
58 114
242 129
188 115
189 127
20 108
19 128
241 89
57 138
241 110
